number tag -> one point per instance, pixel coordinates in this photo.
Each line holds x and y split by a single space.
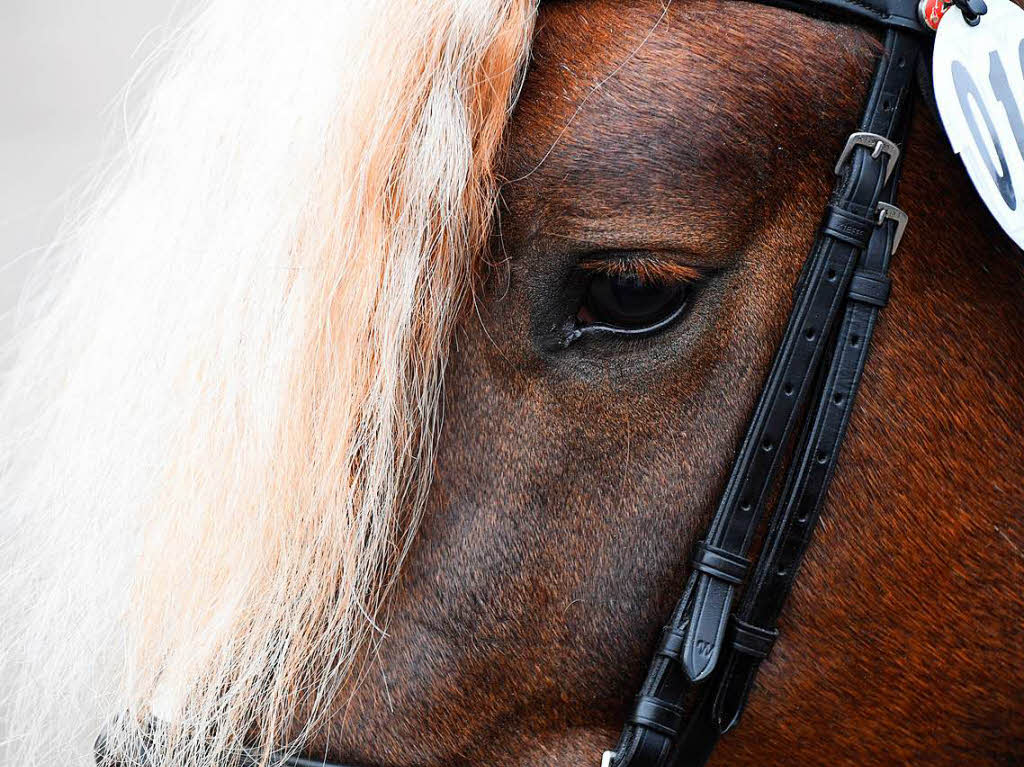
978 76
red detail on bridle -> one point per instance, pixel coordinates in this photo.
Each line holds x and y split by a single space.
932 11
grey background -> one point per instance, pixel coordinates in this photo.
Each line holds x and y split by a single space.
64 65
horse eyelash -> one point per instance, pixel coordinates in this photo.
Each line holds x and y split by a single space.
647 268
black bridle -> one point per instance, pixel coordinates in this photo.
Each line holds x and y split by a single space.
704 667
709 654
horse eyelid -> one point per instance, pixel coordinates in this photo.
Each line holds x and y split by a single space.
647 267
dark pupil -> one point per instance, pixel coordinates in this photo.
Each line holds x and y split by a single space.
626 301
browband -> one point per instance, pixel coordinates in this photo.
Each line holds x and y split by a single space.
888 14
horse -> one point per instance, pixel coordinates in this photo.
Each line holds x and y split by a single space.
433 525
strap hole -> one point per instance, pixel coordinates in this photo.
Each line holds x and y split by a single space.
838 398
902 63
802 519
821 457
787 389
745 506
855 340
810 333
831 275
767 445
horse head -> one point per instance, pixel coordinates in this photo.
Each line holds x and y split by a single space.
438 462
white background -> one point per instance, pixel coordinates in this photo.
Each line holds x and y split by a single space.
64 65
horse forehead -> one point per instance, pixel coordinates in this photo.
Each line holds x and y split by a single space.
659 86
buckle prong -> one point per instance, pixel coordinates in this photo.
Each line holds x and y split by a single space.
889 212
878 145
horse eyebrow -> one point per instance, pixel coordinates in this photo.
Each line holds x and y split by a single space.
648 267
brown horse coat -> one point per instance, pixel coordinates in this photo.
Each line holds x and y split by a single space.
571 483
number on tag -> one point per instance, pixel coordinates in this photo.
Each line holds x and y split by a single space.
978 75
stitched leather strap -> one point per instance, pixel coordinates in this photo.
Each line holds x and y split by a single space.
752 640
806 485
826 295
720 563
658 715
804 492
869 288
847 226
819 301
891 14
671 645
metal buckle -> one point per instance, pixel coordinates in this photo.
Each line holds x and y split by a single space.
877 144
606 758
890 212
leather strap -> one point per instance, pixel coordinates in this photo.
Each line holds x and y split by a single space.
888 14
837 283
804 492
869 287
671 645
848 227
720 563
818 302
658 715
752 640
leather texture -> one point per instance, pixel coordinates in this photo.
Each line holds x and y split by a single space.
891 14
797 514
819 363
818 302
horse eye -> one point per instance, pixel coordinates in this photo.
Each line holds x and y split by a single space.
626 303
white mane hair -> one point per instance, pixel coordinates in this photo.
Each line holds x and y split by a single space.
216 436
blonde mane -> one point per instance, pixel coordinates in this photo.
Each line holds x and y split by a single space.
216 438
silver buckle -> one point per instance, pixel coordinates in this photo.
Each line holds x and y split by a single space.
877 144
606 758
887 212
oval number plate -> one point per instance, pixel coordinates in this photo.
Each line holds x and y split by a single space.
978 75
